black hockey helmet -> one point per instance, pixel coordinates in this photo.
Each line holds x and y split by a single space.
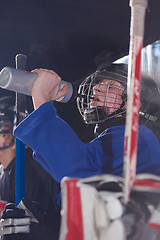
7 114
150 97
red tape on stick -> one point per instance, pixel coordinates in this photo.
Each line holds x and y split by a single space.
133 95
74 211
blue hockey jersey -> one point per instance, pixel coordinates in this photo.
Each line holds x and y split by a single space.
58 149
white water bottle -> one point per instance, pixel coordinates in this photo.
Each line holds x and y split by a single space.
21 81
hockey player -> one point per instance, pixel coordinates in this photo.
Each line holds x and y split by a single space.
39 185
101 101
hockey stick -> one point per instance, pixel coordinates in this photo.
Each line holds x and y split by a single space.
138 8
20 147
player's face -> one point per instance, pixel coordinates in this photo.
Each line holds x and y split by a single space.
5 136
107 94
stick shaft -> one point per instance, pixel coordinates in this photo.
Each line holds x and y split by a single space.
133 95
20 147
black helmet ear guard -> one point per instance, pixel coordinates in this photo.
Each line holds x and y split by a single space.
150 96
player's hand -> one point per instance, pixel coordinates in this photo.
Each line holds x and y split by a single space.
27 221
46 87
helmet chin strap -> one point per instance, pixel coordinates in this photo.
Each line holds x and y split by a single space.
99 115
117 112
10 145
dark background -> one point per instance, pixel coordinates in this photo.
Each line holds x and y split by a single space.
71 37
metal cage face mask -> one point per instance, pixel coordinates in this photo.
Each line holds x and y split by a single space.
101 97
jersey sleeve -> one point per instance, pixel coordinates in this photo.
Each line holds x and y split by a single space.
56 146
